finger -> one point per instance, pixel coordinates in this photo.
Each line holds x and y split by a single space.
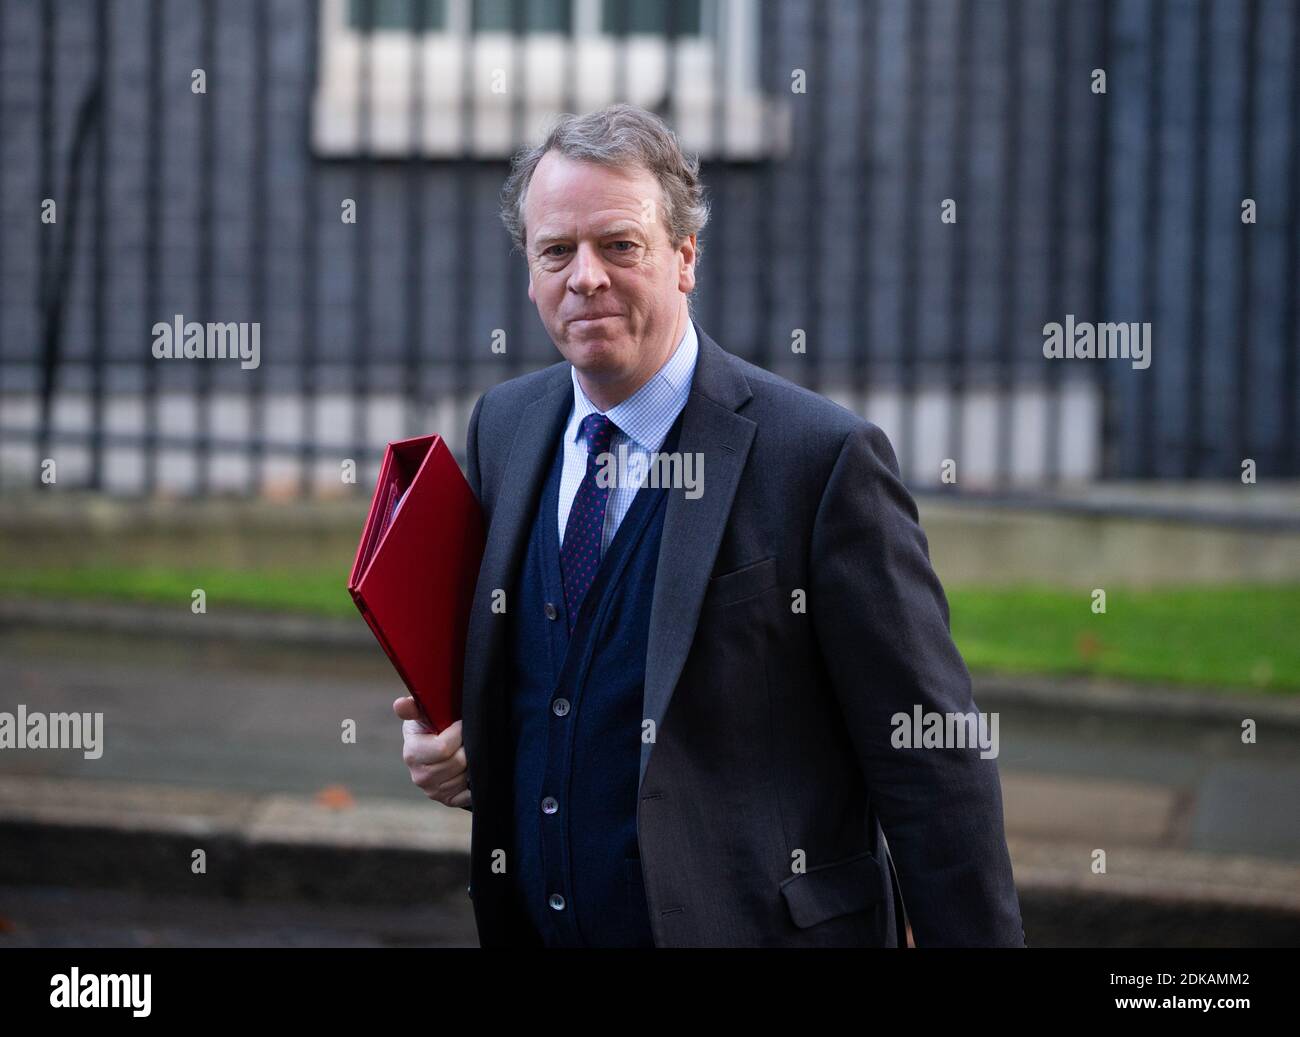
454 767
423 749
428 745
418 729
433 775
451 734
448 790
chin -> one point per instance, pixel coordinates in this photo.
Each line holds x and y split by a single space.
594 354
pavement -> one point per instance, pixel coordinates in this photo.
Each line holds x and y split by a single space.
64 916
229 742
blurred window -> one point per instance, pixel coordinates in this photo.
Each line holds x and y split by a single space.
652 16
397 14
616 16
450 78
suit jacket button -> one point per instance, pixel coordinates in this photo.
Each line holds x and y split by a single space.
550 610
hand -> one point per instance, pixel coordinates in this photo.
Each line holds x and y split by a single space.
436 760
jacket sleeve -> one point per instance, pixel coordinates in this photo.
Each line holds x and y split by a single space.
881 621
471 452
475 483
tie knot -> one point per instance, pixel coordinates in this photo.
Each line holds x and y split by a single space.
597 430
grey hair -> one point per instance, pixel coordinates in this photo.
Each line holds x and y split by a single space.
620 135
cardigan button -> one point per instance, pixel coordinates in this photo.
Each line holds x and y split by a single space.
550 805
550 610
560 707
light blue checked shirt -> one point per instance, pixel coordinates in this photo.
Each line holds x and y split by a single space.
643 420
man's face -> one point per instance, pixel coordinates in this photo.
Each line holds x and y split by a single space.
607 282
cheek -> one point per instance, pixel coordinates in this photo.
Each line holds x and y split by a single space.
548 291
639 287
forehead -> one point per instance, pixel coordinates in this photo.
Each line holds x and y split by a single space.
567 195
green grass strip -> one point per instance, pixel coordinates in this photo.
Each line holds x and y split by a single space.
1241 637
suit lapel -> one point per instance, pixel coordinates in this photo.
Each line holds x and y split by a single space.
693 529
540 424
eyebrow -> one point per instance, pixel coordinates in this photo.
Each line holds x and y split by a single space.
622 227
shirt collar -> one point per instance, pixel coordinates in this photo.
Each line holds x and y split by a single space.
648 414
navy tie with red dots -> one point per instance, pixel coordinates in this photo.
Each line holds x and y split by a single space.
580 552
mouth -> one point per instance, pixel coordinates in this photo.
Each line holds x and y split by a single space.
593 318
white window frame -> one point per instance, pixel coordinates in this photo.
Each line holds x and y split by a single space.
752 127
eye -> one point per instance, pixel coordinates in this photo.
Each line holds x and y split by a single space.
548 252
631 243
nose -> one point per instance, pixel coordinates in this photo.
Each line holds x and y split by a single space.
588 272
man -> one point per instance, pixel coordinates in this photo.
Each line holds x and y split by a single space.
680 701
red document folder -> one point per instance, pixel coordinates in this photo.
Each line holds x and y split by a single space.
416 568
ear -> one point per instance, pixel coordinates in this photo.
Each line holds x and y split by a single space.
532 293
686 271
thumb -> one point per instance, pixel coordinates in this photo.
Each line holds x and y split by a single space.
408 709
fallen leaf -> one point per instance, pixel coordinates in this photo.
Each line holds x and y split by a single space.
336 797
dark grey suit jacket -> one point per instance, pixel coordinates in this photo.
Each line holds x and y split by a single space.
772 771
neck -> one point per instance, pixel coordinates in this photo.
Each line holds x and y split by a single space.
611 393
